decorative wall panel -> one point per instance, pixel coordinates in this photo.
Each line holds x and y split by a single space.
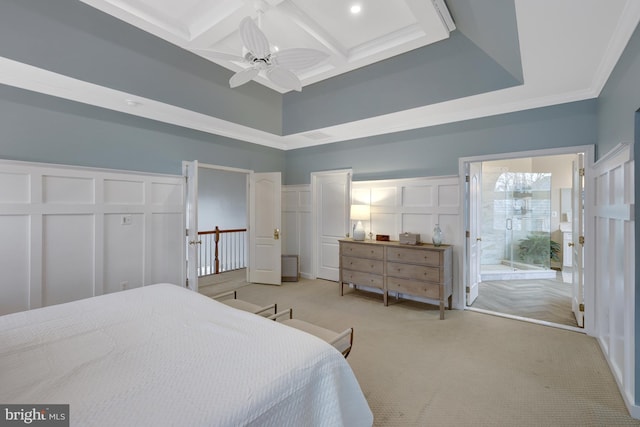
614 270
14 263
123 192
70 233
64 189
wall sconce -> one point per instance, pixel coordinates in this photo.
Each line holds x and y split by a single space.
359 213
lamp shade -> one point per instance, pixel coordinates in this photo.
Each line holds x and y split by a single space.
360 212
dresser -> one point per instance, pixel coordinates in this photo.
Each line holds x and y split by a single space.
422 270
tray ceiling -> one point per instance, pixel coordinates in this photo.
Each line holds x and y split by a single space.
380 30
561 51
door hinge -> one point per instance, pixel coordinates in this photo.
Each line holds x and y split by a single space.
467 233
186 232
581 307
581 240
187 282
581 171
467 178
468 289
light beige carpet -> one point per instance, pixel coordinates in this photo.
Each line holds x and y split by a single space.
470 369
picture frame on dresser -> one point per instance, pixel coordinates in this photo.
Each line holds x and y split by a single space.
422 270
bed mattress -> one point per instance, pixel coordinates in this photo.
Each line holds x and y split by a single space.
165 356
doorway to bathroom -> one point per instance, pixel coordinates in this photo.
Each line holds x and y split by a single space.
522 216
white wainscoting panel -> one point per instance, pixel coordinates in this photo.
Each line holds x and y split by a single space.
417 196
70 233
118 191
14 187
14 261
414 205
165 230
68 255
297 225
123 251
614 256
69 190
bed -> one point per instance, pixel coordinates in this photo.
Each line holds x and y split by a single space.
162 355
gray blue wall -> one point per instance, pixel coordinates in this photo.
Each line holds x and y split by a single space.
396 84
435 151
222 199
41 128
620 99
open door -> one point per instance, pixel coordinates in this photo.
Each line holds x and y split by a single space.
190 172
265 248
577 207
475 241
331 203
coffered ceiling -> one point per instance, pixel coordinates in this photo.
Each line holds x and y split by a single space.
377 30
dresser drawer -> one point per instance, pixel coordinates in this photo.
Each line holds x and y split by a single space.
362 251
364 279
412 271
418 256
410 287
362 264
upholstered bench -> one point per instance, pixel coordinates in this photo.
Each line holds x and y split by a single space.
244 305
342 341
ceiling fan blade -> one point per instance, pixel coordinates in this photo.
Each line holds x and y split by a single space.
220 55
242 77
284 78
299 58
254 39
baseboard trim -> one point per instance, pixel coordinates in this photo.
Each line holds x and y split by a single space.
628 397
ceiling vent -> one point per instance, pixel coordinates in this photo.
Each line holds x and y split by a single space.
317 135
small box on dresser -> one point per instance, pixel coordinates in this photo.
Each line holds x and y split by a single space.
421 270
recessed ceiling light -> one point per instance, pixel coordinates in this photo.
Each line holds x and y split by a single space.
356 9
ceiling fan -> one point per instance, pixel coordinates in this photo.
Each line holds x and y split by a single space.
278 66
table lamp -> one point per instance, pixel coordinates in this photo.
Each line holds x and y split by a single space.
359 213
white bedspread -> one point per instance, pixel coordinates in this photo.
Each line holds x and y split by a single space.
165 356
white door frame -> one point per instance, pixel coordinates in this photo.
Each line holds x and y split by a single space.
314 215
589 287
227 169
473 192
190 173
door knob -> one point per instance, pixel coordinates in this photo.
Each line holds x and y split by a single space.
195 242
570 244
478 239
276 233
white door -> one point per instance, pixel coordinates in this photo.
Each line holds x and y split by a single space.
331 201
190 171
475 241
577 207
265 248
